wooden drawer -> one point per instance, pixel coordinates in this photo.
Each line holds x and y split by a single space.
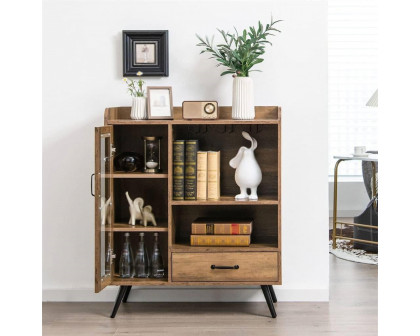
253 266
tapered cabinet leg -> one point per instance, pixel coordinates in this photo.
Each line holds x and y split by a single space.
269 300
273 295
127 293
120 296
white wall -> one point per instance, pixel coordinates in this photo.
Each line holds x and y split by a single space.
82 75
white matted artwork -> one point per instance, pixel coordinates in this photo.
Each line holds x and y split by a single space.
145 52
159 102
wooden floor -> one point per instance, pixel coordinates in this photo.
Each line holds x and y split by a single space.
352 310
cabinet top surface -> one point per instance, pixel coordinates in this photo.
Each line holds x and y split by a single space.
263 115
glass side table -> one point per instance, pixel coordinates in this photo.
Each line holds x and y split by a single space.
371 158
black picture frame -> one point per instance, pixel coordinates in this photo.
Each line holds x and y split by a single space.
146 51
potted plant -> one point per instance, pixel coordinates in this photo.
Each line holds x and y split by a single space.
239 53
135 88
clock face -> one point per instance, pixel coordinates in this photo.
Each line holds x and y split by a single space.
209 108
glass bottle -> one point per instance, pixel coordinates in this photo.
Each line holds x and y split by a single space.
141 260
108 259
126 260
158 270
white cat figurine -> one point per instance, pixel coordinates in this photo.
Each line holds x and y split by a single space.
248 172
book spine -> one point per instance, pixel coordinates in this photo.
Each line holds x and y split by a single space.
220 229
201 175
178 169
227 240
190 185
213 175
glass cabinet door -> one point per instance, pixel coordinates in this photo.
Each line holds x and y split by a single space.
104 207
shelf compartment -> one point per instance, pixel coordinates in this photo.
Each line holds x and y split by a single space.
153 191
134 241
186 247
136 175
230 200
228 139
264 236
123 227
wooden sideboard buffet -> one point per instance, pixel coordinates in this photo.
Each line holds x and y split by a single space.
260 263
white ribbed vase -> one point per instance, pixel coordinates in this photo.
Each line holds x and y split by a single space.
243 99
138 109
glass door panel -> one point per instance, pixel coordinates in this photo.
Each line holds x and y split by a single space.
104 212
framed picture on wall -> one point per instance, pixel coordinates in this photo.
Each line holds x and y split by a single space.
159 102
145 51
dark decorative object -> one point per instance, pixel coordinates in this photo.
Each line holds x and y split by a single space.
145 51
128 162
370 215
151 154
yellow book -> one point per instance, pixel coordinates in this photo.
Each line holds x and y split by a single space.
228 240
201 175
213 175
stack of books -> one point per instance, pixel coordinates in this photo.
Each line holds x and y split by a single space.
221 232
196 174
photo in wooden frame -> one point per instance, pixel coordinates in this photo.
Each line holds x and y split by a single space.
159 102
145 51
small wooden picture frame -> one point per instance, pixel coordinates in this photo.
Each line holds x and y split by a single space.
159 102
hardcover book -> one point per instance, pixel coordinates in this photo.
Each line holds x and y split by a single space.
209 226
190 184
213 175
178 169
221 240
201 175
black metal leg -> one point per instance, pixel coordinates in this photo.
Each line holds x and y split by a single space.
118 300
127 293
269 300
273 295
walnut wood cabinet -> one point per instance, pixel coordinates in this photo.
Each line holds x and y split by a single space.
260 263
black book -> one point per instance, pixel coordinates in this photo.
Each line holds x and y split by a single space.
178 169
190 184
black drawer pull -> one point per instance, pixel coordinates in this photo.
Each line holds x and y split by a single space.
224 267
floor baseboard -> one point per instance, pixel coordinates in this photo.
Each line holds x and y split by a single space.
224 294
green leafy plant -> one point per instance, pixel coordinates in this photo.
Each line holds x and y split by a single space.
135 87
240 52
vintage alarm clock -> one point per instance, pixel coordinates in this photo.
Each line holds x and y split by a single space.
200 110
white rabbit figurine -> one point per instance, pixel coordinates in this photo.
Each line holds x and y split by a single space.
248 172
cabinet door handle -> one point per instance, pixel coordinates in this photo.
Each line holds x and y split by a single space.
91 185
224 267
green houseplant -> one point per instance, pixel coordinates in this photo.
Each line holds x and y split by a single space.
239 53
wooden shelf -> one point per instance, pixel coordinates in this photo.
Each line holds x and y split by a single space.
138 281
121 174
264 115
230 200
122 227
193 122
186 247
